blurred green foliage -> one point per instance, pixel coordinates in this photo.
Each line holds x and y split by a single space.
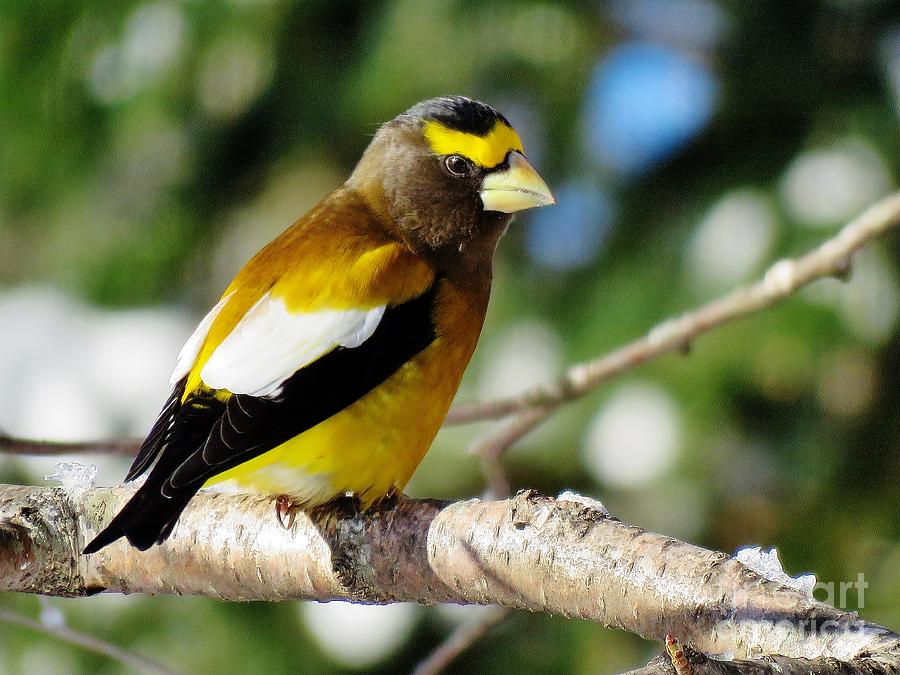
149 147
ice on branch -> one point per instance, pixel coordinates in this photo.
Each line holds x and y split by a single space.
767 564
74 475
590 502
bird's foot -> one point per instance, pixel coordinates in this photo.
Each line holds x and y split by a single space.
286 511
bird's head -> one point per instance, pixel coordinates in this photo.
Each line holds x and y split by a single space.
448 173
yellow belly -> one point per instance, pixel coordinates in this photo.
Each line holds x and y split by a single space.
370 448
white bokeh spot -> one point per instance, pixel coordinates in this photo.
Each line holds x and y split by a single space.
358 635
525 355
732 240
825 187
634 438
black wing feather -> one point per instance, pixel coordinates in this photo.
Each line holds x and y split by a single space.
204 436
156 438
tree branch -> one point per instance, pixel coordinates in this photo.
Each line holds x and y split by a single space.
691 662
531 552
832 258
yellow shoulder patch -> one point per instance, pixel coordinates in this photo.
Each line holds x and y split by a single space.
311 274
487 151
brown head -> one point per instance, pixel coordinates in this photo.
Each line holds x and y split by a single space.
446 175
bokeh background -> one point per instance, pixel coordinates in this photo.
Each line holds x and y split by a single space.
148 148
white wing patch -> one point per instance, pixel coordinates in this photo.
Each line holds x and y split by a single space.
271 343
191 349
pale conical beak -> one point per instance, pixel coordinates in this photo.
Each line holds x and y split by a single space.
514 189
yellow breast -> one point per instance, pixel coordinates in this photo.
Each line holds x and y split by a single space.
372 447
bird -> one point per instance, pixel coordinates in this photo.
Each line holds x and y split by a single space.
330 362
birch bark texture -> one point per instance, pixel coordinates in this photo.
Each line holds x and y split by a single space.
564 556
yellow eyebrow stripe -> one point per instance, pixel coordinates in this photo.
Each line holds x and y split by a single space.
488 150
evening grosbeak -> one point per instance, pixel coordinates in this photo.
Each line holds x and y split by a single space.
331 360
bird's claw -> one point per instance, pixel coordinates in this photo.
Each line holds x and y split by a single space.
285 511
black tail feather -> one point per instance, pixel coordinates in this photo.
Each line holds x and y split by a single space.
147 519
150 515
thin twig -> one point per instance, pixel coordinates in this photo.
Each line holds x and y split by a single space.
126 447
86 641
491 449
461 639
832 258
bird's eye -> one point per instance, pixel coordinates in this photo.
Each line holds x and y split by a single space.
458 166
